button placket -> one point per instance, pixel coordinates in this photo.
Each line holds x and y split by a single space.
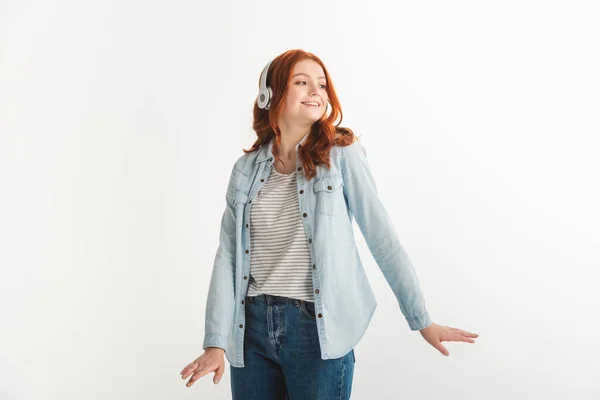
256 189
299 180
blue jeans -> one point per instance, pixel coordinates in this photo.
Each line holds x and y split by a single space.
282 357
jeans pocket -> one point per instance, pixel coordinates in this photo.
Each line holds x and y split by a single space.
308 309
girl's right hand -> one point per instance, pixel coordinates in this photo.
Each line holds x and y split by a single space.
212 360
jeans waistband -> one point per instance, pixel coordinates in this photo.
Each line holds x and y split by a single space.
271 299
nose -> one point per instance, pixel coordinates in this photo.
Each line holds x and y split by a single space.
314 89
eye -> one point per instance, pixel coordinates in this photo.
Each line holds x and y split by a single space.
322 86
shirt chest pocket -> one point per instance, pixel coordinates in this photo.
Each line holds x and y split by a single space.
241 189
329 196
240 196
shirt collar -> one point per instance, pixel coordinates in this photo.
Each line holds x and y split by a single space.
266 152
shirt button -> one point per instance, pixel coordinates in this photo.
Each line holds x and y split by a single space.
317 291
301 191
299 168
247 251
262 180
249 201
320 315
304 215
309 240
314 266
243 301
241 326
329 187
246 277
246 225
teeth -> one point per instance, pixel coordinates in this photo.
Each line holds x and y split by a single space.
310 103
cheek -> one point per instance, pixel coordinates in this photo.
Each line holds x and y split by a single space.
293 98
293 102
295 93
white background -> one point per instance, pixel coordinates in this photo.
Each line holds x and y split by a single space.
119 124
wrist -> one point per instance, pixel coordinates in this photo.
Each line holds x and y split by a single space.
214 349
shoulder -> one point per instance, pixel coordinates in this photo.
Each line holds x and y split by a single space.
349 151
353 149
245 162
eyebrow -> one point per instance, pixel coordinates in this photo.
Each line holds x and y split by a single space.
302 73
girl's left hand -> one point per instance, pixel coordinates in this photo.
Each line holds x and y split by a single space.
435 334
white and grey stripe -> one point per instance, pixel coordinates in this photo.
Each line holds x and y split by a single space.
280 258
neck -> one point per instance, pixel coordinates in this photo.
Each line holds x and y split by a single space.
289 140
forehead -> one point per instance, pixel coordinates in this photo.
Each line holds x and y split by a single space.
309 67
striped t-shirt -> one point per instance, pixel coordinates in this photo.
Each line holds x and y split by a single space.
280 258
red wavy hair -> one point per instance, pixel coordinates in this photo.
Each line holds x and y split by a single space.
322 135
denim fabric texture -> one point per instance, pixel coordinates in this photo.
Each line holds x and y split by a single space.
329 203
282 355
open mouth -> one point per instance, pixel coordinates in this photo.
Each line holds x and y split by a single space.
310 104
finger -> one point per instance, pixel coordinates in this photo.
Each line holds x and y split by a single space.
467 333
191 367
187 370
441 348
461 331
198 374
450 336
193 371
219 373
467 339
458 336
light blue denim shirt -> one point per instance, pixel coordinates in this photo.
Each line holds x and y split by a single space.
343 298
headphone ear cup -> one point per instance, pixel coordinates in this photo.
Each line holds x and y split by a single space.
264 98
270 96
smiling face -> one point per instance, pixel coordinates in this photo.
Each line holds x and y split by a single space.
307 84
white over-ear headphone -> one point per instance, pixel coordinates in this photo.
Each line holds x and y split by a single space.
265 92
